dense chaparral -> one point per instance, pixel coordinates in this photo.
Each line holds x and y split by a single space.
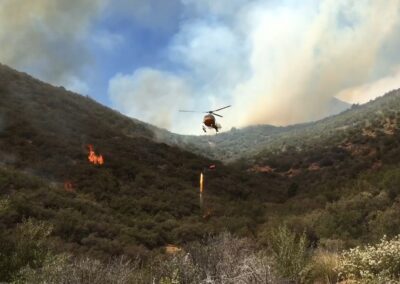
87 194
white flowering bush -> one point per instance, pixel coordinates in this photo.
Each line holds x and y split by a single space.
230 260
65 269
379 263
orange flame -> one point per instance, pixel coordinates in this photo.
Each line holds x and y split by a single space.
201 182
201 189
93 158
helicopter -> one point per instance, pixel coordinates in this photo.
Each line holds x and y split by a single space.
209 119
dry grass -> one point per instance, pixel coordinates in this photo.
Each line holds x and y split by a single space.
322 268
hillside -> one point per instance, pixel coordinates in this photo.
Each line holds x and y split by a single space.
341 174
144 196
373 125
337 179
245 143
344 173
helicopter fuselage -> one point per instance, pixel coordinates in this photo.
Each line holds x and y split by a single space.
209 121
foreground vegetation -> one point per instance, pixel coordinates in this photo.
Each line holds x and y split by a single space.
30 258
333 184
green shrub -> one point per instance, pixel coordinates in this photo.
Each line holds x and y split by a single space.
4 206
27 247
289 251
391 182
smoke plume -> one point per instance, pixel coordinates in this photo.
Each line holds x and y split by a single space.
277 62
47 38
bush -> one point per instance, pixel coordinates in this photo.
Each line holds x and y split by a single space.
322 268
228 259
220 259
178 268
64 269
290 252
372 263
27 247
391 182
4 206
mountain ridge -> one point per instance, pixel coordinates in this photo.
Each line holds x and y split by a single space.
146 194
249 141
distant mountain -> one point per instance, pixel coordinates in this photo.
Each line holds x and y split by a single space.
337 106
370 127
247 142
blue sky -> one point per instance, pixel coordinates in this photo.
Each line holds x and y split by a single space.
135 44
276 62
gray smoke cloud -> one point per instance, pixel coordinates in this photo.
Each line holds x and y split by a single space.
301 57
151 95
276 62
47 38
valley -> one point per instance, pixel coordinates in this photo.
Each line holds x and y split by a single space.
335 180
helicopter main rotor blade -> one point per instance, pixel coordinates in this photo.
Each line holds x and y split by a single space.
217 114
220 108
188 111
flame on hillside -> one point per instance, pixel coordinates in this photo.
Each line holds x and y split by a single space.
93 158
201 182
201 189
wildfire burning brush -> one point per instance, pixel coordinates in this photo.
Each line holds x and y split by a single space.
93 158
201 182
201 189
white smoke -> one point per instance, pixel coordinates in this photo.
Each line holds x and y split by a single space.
369 91
277 62
280 62
302 56
150 95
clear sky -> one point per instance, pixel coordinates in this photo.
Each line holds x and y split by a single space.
277 62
